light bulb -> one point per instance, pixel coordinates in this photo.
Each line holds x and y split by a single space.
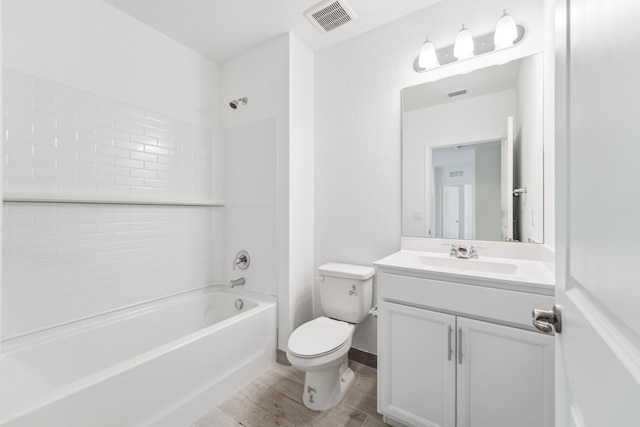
506 32
463 48
428 58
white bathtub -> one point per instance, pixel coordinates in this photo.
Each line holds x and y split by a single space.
163 363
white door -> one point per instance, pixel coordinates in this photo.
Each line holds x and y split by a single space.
506 181
417 376
450 212
505 376
598 200
469 220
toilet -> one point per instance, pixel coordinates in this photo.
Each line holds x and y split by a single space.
320 346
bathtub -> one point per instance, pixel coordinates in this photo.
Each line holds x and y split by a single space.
163 363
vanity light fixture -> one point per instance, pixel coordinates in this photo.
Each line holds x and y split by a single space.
506 35
506 32
463 47
428 58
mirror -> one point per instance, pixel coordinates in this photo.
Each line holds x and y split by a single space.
472 155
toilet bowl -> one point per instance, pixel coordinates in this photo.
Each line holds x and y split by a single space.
320 347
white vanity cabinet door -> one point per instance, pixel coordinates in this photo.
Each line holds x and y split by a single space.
505 376
417 366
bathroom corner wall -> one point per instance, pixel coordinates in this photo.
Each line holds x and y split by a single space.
301 184
101 108
358 125
270 152
529 130
1 166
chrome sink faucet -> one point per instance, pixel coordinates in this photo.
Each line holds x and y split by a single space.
460 251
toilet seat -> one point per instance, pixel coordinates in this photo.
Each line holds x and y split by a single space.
319 337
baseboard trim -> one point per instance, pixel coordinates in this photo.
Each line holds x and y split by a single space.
363 357
281 358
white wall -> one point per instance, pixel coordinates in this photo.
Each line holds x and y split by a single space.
1 154
93 46
529 128
277 78
358 84
100 108
301 176
251 203
488 189
549 126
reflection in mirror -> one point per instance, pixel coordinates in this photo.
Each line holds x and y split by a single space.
472 155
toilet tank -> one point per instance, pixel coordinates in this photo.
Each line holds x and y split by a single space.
346 291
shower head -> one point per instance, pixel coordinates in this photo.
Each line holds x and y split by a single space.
234 104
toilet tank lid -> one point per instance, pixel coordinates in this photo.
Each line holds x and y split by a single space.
347 271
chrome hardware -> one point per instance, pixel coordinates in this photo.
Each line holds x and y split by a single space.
453 251
241 261
460 346
237 282
460 251
517 192
374 311
473 252
311 390
239 304
450 347
547 320
353 291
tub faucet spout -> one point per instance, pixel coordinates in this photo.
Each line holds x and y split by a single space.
237 282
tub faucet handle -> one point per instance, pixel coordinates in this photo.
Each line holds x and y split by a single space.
242 260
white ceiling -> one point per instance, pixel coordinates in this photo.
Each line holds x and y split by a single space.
222 29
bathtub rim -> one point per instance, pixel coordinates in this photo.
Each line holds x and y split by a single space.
17 342
264 302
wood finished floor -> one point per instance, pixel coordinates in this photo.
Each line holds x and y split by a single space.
275 399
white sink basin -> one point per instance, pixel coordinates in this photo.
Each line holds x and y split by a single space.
478 265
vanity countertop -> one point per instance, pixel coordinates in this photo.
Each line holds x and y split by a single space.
504 273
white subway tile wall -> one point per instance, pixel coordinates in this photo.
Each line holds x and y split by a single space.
64 141
65 261
68 261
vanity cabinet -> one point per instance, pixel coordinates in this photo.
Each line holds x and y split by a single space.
416 365
441 366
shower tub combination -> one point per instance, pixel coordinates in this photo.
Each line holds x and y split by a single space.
161 363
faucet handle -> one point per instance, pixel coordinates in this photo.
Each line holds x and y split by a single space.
473 252
453 250
241 261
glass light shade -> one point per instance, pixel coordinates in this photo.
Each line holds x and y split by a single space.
463 48
506 32
428 58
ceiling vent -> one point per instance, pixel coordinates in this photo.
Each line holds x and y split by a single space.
331 14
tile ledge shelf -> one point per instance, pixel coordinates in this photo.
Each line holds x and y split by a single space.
102 199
